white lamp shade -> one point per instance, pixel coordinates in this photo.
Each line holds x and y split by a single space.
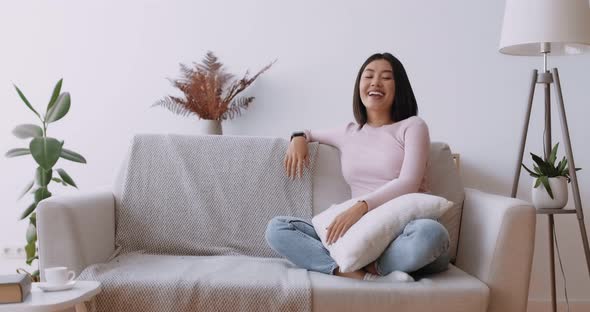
564 24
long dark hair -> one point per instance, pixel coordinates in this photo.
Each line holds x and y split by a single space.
404 101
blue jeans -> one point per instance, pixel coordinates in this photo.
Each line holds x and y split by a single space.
422 248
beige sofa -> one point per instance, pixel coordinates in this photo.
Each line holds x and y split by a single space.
490 272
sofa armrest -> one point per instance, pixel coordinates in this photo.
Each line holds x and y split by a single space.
76 230
496 245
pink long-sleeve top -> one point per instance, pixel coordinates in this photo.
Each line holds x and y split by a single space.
381 163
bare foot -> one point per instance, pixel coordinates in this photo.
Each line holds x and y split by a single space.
358 274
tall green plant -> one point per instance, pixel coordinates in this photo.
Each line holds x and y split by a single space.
46 151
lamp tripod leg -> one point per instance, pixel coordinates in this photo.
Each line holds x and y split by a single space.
572 167
524 134
552 263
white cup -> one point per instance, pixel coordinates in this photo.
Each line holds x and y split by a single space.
59 275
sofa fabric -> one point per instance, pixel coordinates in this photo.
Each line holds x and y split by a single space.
135 282
491 272
445 181
203 196
449 291
206 195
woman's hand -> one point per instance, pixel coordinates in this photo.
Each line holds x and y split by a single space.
345 220
296 157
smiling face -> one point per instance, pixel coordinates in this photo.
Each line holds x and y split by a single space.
377 86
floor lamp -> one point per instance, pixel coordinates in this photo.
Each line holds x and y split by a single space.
543 28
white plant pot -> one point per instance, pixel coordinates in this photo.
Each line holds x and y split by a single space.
541 198
212 127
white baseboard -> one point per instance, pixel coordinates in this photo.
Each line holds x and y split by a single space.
545 306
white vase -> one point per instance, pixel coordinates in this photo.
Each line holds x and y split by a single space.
212 127
541 199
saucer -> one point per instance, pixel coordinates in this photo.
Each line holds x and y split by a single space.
56 287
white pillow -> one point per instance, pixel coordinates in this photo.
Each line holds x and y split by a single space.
366 240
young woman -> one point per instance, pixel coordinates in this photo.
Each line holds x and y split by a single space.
383 156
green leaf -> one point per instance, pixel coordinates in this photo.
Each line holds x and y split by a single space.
22 96
42 176
57 180
31 233
561 166
66 177
537 160
545 181
30 249
71 155
27 131
28 211
54 96
30 260
27 189
41 193
553 155
564 165
60 109
17 152
545 168
530 172
537 182
45 151
33 218
567 170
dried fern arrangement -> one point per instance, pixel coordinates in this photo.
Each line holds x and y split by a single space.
209 91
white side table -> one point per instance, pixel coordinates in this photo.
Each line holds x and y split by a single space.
40 301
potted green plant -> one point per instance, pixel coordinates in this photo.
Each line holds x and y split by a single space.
553 178
46 151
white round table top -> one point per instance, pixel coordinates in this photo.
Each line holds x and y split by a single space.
48 301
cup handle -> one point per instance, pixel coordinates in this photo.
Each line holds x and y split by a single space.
71 276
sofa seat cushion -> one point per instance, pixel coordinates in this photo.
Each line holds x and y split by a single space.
145 283
136 282
452 291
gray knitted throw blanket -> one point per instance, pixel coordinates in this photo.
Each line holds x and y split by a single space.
191 215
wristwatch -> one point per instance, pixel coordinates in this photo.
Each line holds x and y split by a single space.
298 133
364 201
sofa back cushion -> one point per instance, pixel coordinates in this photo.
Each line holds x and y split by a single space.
206 195
329 186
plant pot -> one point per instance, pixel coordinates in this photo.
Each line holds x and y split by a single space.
541 199
212 127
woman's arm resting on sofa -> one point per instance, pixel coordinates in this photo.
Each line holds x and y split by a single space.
76 230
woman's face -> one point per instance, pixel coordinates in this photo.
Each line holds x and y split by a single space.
377 87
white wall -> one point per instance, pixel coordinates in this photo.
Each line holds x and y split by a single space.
114 57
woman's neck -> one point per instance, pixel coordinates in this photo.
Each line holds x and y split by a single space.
378 122
378 118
